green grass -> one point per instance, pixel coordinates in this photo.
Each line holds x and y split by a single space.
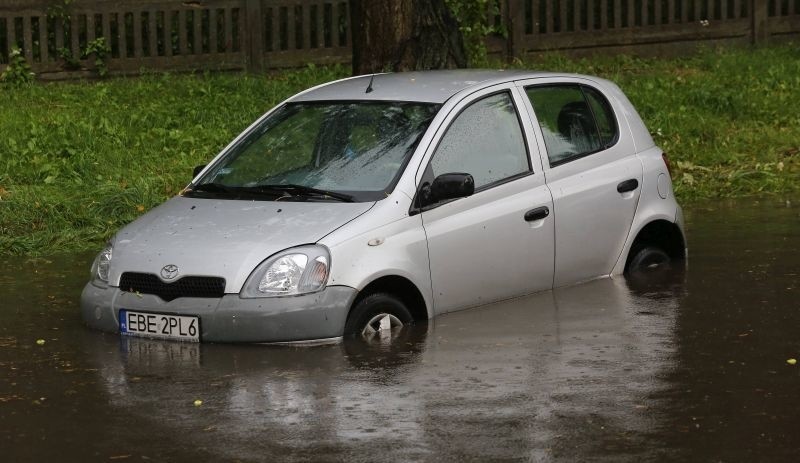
80 159
728 119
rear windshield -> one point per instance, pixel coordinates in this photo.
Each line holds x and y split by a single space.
358 149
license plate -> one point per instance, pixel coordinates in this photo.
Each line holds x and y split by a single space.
157 325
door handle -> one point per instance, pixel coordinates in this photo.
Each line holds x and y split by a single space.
537 214
628 185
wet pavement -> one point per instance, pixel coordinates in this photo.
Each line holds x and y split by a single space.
693 368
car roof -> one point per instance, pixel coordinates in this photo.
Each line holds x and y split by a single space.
423 86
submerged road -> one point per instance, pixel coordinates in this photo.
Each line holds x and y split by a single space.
690 369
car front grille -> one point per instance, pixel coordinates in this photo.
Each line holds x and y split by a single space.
190 286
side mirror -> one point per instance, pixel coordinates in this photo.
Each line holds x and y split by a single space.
451 186
198 169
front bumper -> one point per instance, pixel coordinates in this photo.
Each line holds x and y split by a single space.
307 317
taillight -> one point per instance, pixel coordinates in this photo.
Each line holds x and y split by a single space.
666 162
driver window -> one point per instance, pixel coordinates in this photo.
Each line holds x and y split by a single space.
485 141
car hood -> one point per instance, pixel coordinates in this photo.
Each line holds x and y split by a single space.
222 238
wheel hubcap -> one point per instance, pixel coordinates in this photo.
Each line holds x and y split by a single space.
655 262
383 323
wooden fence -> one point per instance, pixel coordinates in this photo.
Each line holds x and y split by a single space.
541 25
55 35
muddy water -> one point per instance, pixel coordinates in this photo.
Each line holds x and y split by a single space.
692 368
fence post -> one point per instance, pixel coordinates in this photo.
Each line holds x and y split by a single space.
760 32
516 23
254 39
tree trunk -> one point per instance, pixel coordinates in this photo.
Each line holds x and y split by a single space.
404 35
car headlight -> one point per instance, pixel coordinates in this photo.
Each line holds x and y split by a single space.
102 264
291 272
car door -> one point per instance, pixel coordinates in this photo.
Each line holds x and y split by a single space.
592 171
498 242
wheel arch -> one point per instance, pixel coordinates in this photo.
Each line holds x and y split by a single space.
400 287
661 233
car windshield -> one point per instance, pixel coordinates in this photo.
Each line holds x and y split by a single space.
345 151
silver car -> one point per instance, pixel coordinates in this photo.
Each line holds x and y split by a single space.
362 205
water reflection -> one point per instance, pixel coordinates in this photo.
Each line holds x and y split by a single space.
688 368
573 365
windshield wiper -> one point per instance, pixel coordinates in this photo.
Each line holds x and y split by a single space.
303 190
271 190
232 191
211 188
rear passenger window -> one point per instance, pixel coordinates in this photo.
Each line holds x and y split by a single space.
575 120
485 141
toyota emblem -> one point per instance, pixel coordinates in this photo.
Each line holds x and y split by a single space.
169 272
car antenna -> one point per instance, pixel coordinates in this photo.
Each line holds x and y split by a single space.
369 87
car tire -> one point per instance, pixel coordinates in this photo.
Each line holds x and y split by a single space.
374 311
649 259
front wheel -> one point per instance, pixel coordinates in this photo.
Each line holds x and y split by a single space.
377 314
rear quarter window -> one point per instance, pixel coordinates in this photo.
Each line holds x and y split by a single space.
603 115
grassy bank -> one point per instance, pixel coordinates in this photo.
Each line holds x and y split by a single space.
78 160
727 119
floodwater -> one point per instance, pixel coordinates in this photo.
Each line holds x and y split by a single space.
689 369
